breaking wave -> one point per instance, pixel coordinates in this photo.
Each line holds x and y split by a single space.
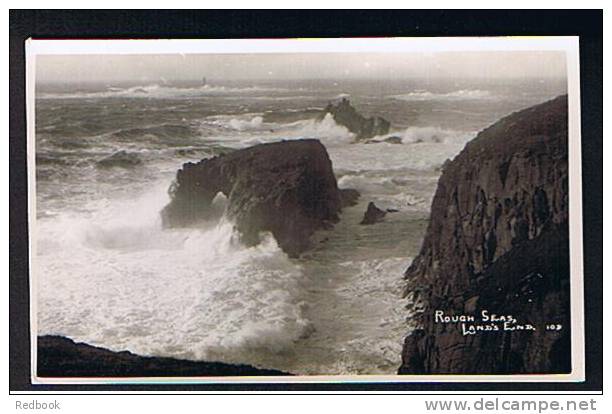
162 91
116 279
459 95
252 129
243 122
437 135
326 129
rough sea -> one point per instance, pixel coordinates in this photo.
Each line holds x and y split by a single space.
106 273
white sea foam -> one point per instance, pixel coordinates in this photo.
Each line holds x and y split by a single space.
116 279
427 156
342 96
430 134
162 91
376 289
249 129
459 95
236 122
240 125
326 129
392 191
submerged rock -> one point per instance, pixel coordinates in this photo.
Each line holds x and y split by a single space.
121 159
349 197
498 242
373 214
346 115
287 188
62 357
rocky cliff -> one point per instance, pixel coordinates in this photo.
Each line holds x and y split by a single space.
287 188
346 115
62 357
497 243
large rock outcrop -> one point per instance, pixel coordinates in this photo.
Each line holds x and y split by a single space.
287 188
344 114
497 242
58 356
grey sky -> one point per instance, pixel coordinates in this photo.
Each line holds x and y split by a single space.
90 68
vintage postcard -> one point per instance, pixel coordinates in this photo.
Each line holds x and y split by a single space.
305 210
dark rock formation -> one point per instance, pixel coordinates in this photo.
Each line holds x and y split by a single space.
121 159
349 197
287 188
498 241
373 214
344 114
62 357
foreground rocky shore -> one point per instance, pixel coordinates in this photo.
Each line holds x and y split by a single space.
497 243
62 357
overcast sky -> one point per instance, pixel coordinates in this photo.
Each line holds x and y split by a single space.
92 68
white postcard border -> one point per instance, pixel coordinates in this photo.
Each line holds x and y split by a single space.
567 44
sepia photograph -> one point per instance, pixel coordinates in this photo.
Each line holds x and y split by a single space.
388 209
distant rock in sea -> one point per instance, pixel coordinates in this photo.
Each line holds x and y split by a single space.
58 356
346 115
497 243
287 188
373 214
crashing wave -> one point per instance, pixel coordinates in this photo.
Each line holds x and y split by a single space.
241 125
252 129
459 95
417 135
236 302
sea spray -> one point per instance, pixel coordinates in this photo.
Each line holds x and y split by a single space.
120 281
251 129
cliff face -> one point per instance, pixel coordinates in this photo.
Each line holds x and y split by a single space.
287 188
62 357
498 241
